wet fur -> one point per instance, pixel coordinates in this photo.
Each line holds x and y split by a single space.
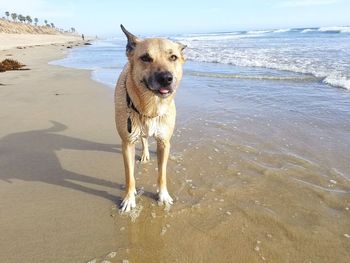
157 111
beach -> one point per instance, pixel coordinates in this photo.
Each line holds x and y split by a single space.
9 41
55 203
259 172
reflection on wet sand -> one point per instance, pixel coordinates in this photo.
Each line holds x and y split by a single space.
267 184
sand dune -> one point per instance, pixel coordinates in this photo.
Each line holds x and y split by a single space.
7 26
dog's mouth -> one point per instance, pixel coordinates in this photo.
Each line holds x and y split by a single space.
165 91
162 92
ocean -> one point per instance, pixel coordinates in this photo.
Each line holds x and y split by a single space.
319 54
260 153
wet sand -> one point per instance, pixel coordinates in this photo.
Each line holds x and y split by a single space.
259 174
250 184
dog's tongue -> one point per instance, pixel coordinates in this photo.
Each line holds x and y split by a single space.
163 90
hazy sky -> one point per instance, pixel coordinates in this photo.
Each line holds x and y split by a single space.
179 16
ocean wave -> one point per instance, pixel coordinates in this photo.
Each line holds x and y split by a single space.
327 73
322 56
335 29
258 32
212 34
337 81
303 78
282 30
215 37
262 33
307 30
331 29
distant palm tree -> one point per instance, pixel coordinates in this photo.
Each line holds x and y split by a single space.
7 13
45 21
36 21
14 16
20 18
52 25
72 29
29 19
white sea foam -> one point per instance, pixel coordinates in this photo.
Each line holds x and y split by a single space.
335 29
324 58
282 30
331 29
307 30
258 32
211 37
329 77
339 81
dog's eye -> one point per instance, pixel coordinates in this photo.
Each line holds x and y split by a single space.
146 58
173 57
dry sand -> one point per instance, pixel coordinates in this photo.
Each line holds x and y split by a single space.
8 41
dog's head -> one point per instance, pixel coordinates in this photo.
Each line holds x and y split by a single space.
156 64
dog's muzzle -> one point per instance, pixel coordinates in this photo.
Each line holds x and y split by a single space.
161 83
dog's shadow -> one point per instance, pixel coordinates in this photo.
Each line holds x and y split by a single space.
30 156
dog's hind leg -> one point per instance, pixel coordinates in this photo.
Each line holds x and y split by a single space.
145 151
129 202
163 148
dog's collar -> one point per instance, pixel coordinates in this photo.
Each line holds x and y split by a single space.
132 106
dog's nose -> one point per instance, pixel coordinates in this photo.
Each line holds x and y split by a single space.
164 78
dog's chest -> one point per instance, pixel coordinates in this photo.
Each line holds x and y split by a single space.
148 127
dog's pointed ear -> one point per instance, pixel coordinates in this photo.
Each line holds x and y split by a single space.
132 40
181 46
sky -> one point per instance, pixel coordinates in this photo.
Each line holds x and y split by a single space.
161 17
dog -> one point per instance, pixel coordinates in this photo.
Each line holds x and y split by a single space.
144 106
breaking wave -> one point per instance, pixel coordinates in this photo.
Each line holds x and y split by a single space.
323 56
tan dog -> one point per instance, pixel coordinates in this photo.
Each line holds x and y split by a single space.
144 106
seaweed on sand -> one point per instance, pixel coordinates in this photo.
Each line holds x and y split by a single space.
10 64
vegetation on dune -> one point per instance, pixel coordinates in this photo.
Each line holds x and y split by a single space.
14 17
10 64
27 19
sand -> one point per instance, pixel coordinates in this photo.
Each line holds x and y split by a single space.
238 198
8 41
59 161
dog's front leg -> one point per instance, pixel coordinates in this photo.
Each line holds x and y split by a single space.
129 202
163 148
145 151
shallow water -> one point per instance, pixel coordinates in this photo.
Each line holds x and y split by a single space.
259 170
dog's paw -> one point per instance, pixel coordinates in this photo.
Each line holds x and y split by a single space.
128 203
164 198
144 157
